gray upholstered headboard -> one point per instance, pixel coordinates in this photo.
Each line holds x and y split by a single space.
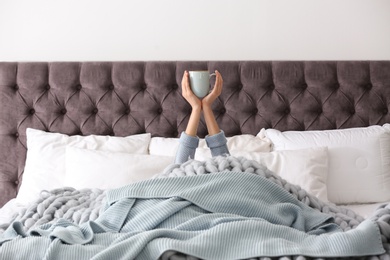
124 98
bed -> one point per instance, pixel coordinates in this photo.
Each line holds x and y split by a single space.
317 130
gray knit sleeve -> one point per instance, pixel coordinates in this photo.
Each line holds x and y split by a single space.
187 147
217 144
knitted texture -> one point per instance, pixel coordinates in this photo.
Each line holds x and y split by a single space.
79 206
345 218
230 215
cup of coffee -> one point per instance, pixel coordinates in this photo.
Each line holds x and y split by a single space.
200 82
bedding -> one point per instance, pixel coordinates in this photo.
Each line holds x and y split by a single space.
359 160
366 210
46 161
90 168
120 99
305 167
185 213
245 142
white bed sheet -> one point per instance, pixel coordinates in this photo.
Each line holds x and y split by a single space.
9 210
364 210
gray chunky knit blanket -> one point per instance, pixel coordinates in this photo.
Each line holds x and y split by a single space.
80 206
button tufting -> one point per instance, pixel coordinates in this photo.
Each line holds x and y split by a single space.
175 86
16 87
16 182
240 87
143 86
174 134
78 87
304 85
255 111
319 111
272 87
352 111
111 87
95 111
16 135
369 86
63 111
223 111
287 111
32 111
127 111
385 111
159 111
47 87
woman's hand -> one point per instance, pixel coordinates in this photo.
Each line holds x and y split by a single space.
208 100
187 93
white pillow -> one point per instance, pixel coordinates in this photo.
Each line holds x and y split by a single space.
359 160
107 170
45 162
249 143
307 168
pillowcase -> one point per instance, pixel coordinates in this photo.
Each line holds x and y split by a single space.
249 143
307 168
107 170
359 160
45 162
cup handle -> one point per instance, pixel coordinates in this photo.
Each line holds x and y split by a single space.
212 74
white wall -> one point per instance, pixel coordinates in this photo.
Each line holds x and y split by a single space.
88 30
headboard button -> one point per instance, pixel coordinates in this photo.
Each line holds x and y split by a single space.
111 87
47 87
78 87
159 111
369 86
63 111
175 86
385 111
95 111
287 111
16 182
16 135
16 87
32 111
223 111
127 111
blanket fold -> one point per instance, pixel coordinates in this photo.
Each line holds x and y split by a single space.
227 215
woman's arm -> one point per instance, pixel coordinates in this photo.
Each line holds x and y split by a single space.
216 139
188 139
207 101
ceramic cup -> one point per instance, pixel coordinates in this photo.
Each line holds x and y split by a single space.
200 82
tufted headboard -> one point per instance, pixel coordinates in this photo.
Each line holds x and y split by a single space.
125 98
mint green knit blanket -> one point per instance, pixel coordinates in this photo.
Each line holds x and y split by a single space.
227 215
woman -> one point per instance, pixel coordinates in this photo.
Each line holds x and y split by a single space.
215 139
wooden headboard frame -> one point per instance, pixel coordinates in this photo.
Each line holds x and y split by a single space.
125 98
